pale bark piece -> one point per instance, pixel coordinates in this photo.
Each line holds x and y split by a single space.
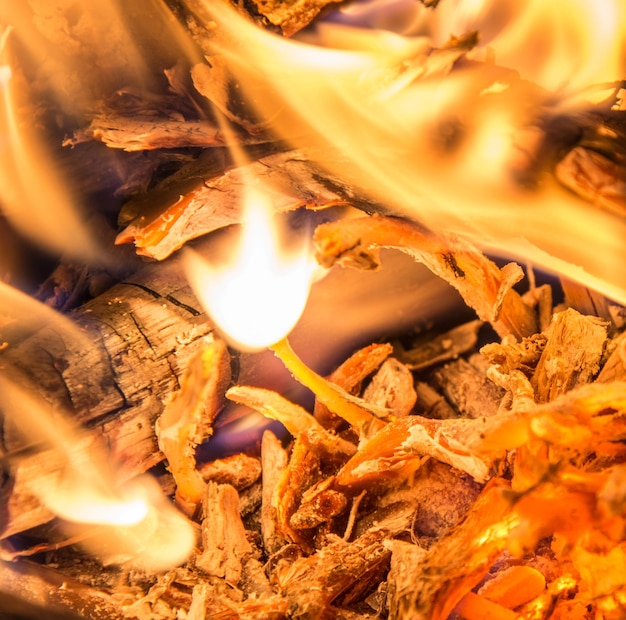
311 584
30 590
291 16
432 404
224 541
571 356
239 470
187 419
595 178
614 368
135 133
392 388
274 461
142 334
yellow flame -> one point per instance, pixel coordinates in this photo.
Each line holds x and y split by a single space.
136 524
388 106
21 314
257 297
33 196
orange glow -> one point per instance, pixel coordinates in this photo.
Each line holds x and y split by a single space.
258 295
389 106
33 196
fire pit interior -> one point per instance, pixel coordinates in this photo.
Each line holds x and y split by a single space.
312 310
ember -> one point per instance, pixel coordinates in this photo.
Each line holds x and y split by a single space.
435 431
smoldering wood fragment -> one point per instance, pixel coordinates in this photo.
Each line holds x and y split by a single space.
311 584
135 133
430 351
250 501
142 334
571 356
429 504
460 555
209 163
392 388
431 403
404 558
274 460
224 542
254 580
297 420
319 504
239 470
483 285
350 375
541 298
302 471
188 417
511 355
584 300
467 389
399 449
291 16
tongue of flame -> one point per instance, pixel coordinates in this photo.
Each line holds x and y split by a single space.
134 522
258 296
436 139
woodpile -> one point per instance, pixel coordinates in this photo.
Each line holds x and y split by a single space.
469 471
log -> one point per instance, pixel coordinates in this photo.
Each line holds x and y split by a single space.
142 333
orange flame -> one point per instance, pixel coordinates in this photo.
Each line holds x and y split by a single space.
136 524
257 297
386 102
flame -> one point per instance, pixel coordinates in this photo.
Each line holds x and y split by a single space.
135 523
33 196
435 144
258 295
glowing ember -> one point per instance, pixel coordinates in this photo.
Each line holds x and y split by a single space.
258 296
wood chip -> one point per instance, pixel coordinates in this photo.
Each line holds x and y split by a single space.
562 366
188 417
484 287
224 542
442 348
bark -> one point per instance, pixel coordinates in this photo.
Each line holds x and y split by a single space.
142 334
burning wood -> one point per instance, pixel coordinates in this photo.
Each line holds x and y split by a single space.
436 477
333 518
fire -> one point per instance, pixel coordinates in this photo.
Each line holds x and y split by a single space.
429 139
134 523
409 126
258 295
33 196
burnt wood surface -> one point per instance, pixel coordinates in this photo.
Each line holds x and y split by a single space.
142 333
